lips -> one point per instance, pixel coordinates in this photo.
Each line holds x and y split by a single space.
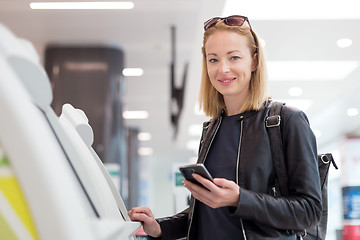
226 81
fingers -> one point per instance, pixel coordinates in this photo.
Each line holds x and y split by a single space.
205 182
140 214
219 193
145 216
202 193
140 217
224 183
143 209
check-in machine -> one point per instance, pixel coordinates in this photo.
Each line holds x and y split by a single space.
52 183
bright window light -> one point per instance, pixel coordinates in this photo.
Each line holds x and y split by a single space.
310 70
295 91
135 114
344 42
294 10
145 151
144 136
133 72
82 5
351 112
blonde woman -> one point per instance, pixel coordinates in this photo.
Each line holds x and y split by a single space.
242 202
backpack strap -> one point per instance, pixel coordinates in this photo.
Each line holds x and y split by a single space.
272 123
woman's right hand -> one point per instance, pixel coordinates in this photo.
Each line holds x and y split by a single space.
145 216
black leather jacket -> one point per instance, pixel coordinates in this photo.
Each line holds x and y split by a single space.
264 214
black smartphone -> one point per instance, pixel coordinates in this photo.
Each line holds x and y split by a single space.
199 168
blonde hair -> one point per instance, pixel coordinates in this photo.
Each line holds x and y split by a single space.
211 101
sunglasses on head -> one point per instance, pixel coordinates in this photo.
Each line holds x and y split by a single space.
234 20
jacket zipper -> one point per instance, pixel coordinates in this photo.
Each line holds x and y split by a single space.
207 151
237 170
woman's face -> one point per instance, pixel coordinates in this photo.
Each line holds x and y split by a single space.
229 64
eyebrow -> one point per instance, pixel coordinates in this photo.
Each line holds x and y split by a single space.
230 52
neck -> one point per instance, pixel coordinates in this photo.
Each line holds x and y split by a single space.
233 105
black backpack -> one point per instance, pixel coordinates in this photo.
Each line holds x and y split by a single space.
273 126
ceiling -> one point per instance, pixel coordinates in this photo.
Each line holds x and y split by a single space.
144 35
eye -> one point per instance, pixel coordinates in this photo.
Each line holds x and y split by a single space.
234 57
213 60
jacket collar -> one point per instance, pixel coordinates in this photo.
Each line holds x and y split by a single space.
245 114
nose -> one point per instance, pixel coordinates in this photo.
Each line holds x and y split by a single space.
224 67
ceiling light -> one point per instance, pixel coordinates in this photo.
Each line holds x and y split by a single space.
310 70
135 114
195 130
132 72
82 5
295 91
351 112
344 42
145 151
293 10
86 66
144 136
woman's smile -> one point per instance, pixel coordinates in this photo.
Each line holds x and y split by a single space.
226 81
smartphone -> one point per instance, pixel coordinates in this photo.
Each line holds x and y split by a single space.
199 168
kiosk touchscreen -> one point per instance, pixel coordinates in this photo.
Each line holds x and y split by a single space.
52 184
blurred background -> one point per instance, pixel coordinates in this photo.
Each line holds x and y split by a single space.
136 74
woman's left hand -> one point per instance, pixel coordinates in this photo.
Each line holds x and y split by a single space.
219 193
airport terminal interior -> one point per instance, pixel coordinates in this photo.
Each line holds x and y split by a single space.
99 106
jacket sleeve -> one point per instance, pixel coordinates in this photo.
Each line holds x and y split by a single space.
173 227
302 207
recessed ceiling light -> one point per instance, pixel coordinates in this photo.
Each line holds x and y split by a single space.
295 91
351 112
85 66
145 151
135 114
144 136
82 5
344 42
310 70
132 72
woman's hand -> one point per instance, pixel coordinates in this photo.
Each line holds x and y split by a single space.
220 193
145 216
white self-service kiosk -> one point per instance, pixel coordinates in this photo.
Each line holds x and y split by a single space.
52 183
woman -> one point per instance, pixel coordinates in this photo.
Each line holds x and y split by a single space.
242 202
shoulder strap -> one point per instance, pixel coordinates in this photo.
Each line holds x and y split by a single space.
272 124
